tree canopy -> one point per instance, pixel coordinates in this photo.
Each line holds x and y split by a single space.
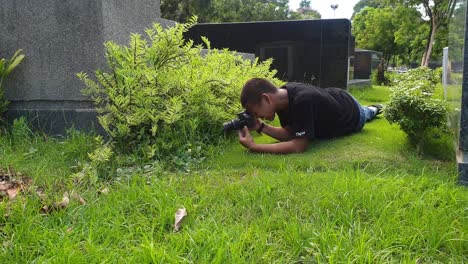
438 14
406 30
235 10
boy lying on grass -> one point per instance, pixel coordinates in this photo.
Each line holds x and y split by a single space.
306 112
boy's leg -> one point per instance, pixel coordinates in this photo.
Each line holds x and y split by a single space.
370 112
366 113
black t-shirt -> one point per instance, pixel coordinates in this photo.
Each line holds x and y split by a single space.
319 113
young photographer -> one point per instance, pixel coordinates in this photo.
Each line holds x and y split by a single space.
306 112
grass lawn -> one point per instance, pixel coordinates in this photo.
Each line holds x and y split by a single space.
366 198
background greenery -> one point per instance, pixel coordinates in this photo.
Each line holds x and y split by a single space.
406 31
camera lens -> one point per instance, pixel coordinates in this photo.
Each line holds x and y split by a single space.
234 124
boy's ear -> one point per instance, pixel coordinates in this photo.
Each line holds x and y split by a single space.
266 97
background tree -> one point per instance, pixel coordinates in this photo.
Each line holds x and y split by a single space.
397 31
409 35
249 10
437 13
175 10
367 3
226 10
310 14
304 3
374 29
456 33
305 12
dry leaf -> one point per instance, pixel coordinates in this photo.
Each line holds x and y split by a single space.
5 186
78 197
40 193
179 216
12 192
82 201
45 209
105 190
56 206
64 203
11 183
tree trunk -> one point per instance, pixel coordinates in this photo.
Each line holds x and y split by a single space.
423 59
430 44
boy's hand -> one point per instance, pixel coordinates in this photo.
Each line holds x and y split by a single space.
256 124
245 138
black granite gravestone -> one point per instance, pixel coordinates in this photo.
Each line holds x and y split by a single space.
311 51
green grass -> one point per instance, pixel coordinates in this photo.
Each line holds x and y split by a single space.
366 198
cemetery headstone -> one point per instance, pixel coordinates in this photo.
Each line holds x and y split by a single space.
60 39
310 51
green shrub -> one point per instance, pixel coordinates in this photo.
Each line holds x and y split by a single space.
438 143
6 67
391 76
413 106
434 77
438 74
161 96
98 166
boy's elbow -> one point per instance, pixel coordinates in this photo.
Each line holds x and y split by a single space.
300 149
301 145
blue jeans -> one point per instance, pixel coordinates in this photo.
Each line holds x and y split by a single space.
365 115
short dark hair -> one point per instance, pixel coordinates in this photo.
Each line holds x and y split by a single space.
253 90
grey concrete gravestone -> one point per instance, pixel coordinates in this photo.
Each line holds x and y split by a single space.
59 39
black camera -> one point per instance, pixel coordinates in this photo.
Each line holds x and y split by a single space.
243 119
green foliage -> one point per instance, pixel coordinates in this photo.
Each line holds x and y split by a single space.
20 131
438 144
413 106
390 30
456 34
99 163
367 3
225 10
249 10
391 76
6 67
305 13
160 95
436 15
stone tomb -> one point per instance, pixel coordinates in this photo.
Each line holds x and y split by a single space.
364 61
60 39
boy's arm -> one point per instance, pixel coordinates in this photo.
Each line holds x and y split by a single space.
279 133
295 145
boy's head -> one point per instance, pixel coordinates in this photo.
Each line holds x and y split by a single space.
256 97
254 89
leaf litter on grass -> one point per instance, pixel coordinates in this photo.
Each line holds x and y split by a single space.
12 182
179 216
46 209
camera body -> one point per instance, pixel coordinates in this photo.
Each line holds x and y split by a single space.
244 118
